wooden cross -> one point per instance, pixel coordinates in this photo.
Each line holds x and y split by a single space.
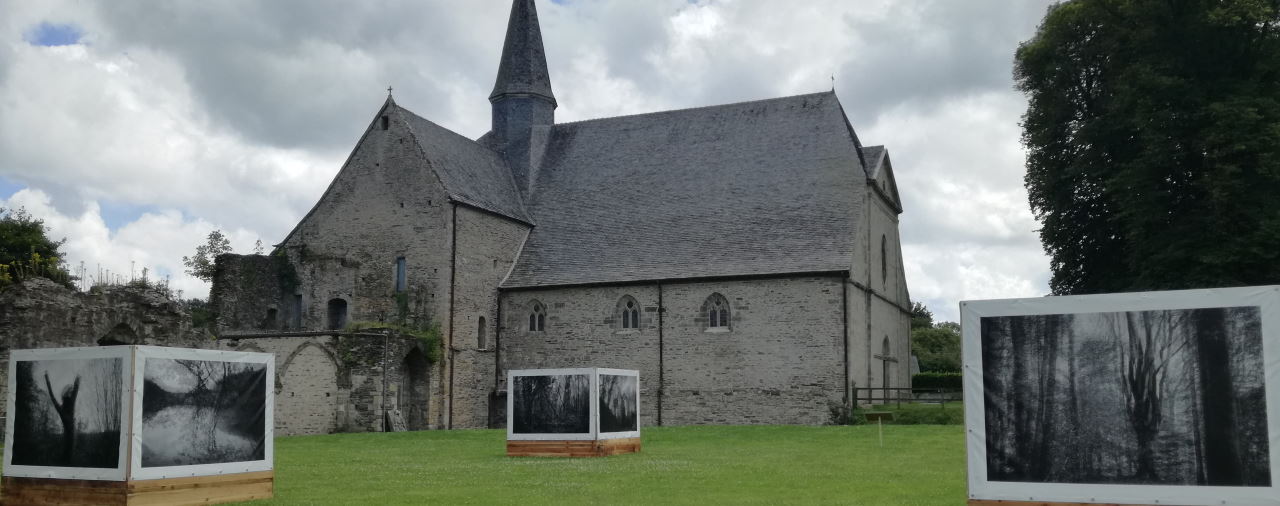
885 360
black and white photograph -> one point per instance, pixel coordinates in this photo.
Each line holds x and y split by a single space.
198 412
67 413
618 403
552 404
1161 397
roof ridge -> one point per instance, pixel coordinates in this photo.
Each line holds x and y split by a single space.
447 129
451 189
698 108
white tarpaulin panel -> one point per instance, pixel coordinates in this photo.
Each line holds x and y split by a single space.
68 413
202 412
1143 398
573 404
80 413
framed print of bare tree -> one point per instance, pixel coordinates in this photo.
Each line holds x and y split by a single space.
1144 398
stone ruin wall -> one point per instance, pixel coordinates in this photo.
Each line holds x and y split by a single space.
324 382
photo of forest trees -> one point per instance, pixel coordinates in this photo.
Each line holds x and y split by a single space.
67 413
618 403
551 404
203 412
1172 397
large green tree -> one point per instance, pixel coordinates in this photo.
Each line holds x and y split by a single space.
937 347
1153 138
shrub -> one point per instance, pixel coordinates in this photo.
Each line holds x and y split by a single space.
951 413
953 380
840 415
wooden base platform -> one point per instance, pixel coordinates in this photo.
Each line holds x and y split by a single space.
173 491
975 502
600 448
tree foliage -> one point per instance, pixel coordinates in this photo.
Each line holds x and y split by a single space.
201 265
1153 138
921 317
937 347
26 250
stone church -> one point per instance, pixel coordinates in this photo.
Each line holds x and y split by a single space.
745 258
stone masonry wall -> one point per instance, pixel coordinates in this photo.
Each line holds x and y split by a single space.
889 310
334 383
247 293
42 314
487 248
780 362
582 330
384 204
323 383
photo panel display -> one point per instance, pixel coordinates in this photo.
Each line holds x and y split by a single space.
67 413
203 412
619 403
558 404
1128 398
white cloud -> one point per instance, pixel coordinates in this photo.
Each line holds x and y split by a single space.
155 241
236 114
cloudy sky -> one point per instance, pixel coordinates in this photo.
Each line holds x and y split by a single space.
134 128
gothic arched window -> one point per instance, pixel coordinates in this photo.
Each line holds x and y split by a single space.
480 337
628 313
716 310
537 317
884 262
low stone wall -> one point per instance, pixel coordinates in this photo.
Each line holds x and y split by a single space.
344 382
325 382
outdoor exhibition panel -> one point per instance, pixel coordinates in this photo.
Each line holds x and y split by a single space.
138 424
1140 398
573 412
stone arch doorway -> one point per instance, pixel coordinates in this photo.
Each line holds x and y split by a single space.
307 402
120 335
414 396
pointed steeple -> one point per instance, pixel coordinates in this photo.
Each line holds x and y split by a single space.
524 110
523 70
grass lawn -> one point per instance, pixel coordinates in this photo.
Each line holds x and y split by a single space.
918 465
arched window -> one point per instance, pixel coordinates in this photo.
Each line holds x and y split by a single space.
337 314
480 337
402 275
537 317
884 262
717 311
628 313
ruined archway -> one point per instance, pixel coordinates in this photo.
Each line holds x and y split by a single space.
120 335
307 402
413 389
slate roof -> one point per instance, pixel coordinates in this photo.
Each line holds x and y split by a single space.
471 173
768 187
523 68
874 155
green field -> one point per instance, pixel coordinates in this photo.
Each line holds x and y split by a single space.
918 465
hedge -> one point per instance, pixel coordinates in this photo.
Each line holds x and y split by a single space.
937 380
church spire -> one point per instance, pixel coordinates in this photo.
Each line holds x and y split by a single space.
524 110
523 69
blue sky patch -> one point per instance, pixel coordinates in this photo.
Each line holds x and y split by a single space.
8 188
52 34
119 214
